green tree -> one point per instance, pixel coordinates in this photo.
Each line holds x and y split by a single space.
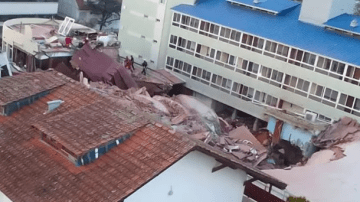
108 9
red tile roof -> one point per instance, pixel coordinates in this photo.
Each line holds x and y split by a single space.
91 126
33 171
25 85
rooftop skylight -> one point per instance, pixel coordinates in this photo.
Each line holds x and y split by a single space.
345 23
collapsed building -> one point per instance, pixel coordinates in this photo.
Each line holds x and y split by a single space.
61 141
37 43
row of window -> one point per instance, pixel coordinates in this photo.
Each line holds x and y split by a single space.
295 56
219 82
274 77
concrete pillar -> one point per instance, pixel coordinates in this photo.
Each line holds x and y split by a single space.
233 115
256 125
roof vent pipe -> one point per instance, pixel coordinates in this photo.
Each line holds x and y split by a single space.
354 23
256 1
52 105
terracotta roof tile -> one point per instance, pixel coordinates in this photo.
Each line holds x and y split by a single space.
25 85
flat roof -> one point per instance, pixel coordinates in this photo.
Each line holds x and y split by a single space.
276 6
343 22
286 29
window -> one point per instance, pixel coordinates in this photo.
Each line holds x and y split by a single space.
349 104
194 23
271 76
190 45
248 68
353 75
173 40
169 63
296 85
185 20
201 75
225 32
176 19
221 83
266 99
214 29
330 67
182 42
244 92
323 94
235 35
204 26
323 63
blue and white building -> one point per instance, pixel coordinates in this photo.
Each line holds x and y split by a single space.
299 57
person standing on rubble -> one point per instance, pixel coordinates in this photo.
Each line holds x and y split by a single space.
132 62
144 64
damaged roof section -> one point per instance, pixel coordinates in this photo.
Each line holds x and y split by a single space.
24 89
90 131
296 121
98 66
345 130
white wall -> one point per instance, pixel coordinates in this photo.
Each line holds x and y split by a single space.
342 6
191 180
315 12
320 11
4 198
28 8
133 25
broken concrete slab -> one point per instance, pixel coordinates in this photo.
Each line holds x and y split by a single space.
243 133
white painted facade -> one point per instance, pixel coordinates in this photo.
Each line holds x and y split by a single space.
142 32
28 8
276 77
320 11
4 198
190 179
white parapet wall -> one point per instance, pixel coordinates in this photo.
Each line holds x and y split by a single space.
28 8
192 179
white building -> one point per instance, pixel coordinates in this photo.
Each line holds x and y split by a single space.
35 43
283 54
26 8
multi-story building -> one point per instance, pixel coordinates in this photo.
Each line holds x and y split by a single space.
247 55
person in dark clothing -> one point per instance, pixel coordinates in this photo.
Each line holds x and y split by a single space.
132 62
144 64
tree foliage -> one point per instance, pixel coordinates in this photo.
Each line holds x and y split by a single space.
108 9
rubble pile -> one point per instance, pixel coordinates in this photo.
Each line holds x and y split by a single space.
182 113
345 130
243 145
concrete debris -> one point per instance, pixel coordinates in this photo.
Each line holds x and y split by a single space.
201 136
243 145
338 153
344 130
169 111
